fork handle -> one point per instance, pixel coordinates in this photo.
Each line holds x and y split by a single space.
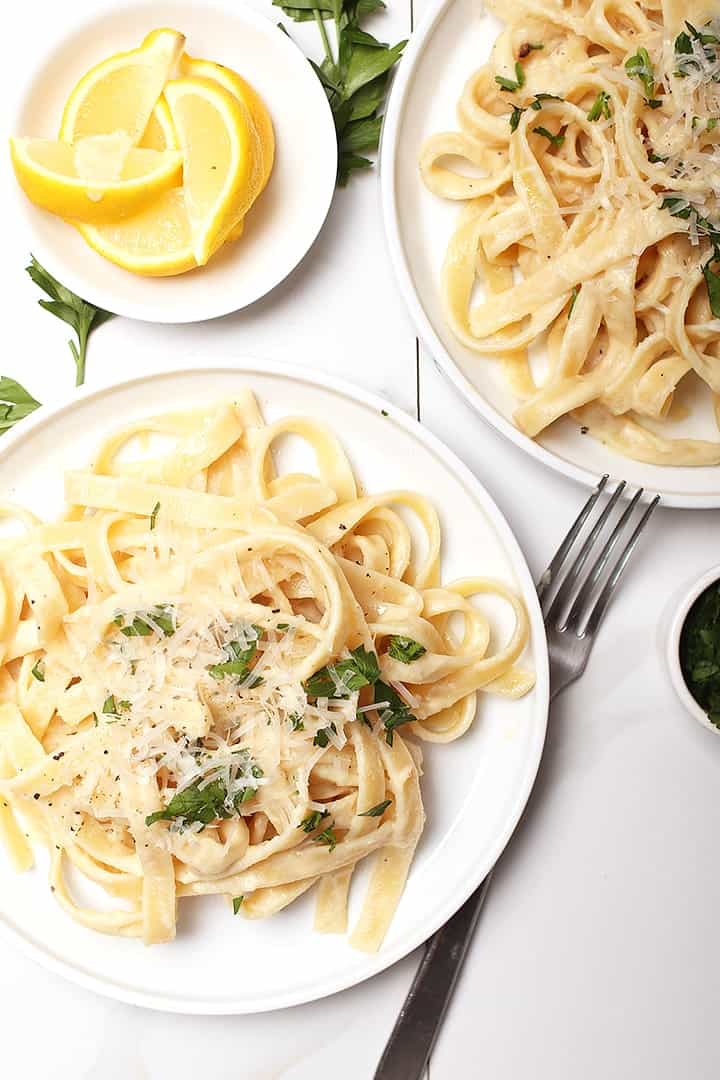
408 1049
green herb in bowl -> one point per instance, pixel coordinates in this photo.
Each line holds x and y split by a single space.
700 652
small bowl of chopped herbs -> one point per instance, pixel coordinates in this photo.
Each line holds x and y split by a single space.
694 650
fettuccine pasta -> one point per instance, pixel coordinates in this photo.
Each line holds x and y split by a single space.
591 221
215 677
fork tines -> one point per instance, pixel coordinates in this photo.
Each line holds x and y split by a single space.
573 598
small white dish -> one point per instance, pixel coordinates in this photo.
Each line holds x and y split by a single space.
287 217
453 40
672 654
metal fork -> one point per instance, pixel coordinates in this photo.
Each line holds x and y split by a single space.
574 605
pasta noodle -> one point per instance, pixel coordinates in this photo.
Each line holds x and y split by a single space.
593 224
215 676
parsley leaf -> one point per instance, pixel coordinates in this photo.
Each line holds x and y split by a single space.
509 84
80 315
312 821
515 117
144 623
573 298
239 656
15 403
237 902
405 649
38 671
354 75
327 836
322 736
712 281
342 679
640 67
193 804
376 811
600 107
395 712
296 722
686 59
556 140
154 514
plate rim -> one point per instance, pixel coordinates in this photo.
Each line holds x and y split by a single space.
401 87
378 962
162 312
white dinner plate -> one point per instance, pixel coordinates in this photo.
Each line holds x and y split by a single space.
288 215
454 39
474 789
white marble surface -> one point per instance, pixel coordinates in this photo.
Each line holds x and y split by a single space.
598 954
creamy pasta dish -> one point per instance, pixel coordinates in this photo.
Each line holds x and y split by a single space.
591 223
216 676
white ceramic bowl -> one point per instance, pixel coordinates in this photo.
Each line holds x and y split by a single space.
287 217
673 647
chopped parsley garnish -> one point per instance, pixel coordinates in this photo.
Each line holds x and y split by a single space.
640 67
537 102
686 59
327 836
509 84
376 811
154 514
237 902
405 649
656 159
204 802
162 617
240 655
515 117
312 821
573 298
712 282
700 652
528 46
342 679
322 737
679 206
38 671
600 107
296 722
395 712
556 140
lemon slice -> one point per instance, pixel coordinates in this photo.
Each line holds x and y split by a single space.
241 89
156 242
118 181
160 131
222 163
120 93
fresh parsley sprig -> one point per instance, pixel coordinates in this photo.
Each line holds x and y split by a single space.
79 314
354 75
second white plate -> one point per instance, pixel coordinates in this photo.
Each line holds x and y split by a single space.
454 39
474 790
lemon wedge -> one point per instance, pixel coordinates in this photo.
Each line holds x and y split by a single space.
120 93
119 180
160 131
206 69
156 242
222 159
